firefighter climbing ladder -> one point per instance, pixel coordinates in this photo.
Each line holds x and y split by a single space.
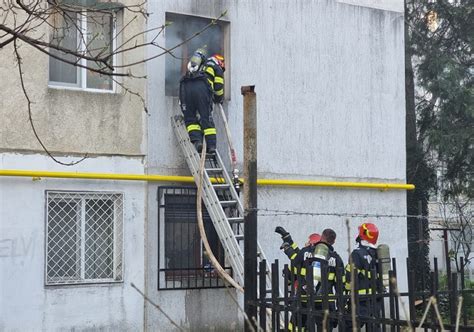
221 200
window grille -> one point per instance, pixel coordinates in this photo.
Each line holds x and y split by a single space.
84 237
182 261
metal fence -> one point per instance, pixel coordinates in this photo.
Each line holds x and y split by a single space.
390 308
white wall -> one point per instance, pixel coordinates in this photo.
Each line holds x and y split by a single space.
329 79
25 303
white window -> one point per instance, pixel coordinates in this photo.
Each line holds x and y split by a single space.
84 238
90 33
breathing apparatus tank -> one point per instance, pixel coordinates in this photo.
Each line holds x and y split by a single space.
383 257
197 60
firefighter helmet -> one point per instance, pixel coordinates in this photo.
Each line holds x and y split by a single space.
314 238
369 232
219 60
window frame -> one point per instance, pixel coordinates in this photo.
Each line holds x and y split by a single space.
117 231
174 278
80 71
226 36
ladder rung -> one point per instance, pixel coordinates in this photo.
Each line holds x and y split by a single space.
235 220
239 237
228 203
213 170
221 186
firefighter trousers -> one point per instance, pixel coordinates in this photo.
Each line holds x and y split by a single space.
366 310
196 105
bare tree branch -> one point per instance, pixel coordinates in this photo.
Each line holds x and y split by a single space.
157 307
20 72
25 21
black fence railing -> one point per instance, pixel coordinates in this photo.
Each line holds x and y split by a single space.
191 278
379 307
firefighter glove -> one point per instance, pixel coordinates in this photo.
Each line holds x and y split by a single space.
285 246
280 230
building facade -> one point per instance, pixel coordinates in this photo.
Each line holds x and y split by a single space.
329 78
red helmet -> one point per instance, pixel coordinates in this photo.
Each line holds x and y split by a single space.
369 232
314 238
219 59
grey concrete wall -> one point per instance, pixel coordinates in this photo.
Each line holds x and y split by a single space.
329 78
69 121
25 303
329 85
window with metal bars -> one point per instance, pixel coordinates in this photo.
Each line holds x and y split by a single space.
182 261
84 237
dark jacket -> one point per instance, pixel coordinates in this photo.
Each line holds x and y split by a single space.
215 78
364 259
334 262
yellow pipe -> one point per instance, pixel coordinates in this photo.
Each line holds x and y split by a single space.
189 179
97 176
334 184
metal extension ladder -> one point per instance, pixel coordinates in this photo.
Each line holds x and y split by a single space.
221 200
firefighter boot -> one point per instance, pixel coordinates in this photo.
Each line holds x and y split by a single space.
198 146
211 149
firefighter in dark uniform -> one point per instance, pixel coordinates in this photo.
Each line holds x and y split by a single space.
324 250
364 259
202 85
298 257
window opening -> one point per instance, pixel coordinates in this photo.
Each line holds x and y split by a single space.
182 261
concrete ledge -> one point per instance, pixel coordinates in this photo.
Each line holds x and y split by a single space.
389 5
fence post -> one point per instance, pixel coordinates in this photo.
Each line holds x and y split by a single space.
435 286
397 305
262 279
423 291
293 291
340 299
381 297
285 295
325 294
275 294
432 294
462 264
392 299
310 298
298 320
453 296
374 299
411 292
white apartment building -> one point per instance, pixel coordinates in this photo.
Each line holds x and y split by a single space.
329 77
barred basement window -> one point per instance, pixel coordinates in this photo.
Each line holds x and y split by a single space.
182 261
84 237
